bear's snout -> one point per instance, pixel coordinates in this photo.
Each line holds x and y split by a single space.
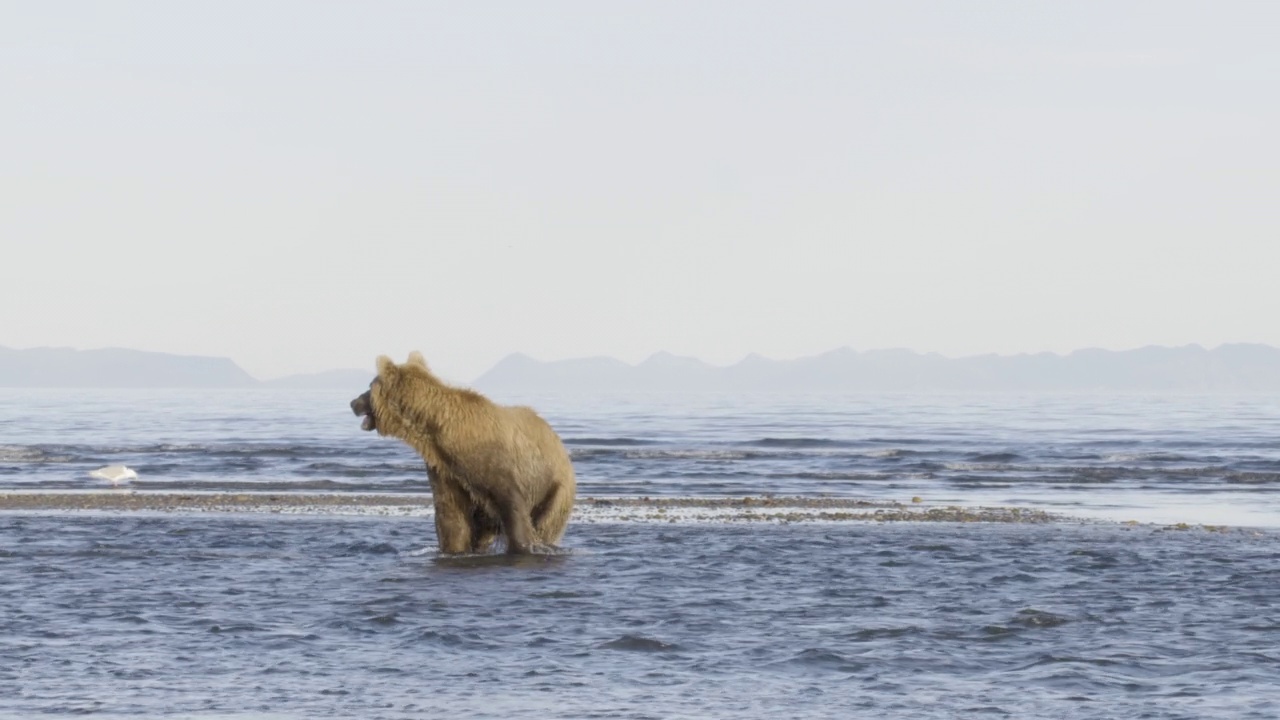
362 406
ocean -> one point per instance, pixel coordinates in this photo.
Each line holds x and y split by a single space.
722 563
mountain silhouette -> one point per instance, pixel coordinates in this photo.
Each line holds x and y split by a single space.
1191 368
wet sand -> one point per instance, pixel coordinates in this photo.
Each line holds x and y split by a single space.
588 510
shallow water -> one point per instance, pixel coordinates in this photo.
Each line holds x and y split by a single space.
653 614
1198 459
348 617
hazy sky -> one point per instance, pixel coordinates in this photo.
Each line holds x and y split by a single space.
305 185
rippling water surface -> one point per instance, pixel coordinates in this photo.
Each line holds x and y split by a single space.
1170 459
333 617
242 615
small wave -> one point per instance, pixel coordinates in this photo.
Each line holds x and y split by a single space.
892 453
449 639
10 453
51 453
236 629
1032 618
820 657
801 442
269 450
997 457
34 454
1109 474
566 594
1253 478
672 454
1037 474
273 485
639 643
229 449
1147 457
360 471
366 548
690 455
833 476
883 633
980 466
128 617
608 442
737 476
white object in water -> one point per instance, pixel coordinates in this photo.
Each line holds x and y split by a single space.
115 473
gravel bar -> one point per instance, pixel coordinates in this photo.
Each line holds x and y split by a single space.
588 509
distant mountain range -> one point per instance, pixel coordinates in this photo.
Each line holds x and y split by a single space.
119 368
1226 369
1229 368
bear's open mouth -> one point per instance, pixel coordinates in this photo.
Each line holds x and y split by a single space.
361 406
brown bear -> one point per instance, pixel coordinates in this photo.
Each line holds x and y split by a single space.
493 469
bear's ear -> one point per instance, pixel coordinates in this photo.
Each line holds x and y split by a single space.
386 366
415 358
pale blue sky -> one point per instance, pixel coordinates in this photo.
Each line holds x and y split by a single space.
305 185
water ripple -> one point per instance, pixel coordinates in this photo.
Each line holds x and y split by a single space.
329 616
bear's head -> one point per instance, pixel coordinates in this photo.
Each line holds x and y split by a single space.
381 405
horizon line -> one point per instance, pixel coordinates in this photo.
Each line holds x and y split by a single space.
665 353
946 356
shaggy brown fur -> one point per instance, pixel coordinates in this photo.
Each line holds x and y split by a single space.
493 468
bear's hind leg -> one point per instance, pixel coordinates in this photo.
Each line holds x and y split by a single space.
516 525
552 515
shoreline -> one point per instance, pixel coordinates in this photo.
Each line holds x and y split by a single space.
777 510
586 510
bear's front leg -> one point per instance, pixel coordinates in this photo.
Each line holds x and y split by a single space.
453 514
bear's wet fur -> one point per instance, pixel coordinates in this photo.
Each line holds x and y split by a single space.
494 469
